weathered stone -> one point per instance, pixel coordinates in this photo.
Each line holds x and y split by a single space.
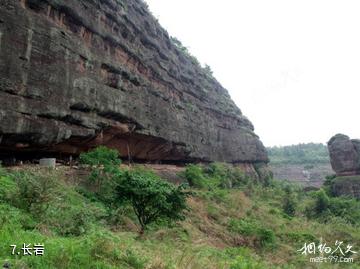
48 162
76 74
347 186
344 155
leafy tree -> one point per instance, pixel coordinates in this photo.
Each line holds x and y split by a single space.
289 203
322 201
151 198
100 156
105 164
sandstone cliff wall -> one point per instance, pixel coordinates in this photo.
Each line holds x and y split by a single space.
345 161
75 74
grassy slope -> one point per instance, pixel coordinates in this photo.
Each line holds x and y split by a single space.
204 240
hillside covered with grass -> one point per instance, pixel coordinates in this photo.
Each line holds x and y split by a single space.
91 218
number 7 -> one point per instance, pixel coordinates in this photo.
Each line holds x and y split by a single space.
13 250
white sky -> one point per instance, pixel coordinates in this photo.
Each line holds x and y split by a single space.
293 67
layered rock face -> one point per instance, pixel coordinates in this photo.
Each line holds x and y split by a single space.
76 74
347 186
344 155
345 161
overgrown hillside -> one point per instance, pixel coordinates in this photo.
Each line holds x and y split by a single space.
85 220
306 164
310 153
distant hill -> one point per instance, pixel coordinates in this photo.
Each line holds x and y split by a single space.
310 153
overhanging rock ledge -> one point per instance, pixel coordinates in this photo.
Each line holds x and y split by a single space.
76 74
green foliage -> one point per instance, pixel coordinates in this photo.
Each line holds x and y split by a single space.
243 226
185 51
100 156
74 215
35 191
227 175
322 202
249 227
78 231
310 153
105 172
208 70
151 197
289 206
215 175
15 218
218 196
289 202
134 260
8 189
246 263
301 237
325 208
266 237
195 177
328 183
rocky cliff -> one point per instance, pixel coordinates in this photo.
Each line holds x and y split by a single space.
75 74
345 161
344 155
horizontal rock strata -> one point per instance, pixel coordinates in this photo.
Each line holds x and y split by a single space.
344 155
76 74
345 161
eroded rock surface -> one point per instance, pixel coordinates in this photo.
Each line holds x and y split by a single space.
345 161
344 155
76 74
347 186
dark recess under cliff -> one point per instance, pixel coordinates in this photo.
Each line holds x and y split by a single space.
77 74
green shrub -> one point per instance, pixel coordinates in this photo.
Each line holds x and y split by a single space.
325 208
218 196
151 197
195 177
74 221
266 237
36 190
301 237
289 205
8 189
73 215
249 227
131 258
105 172
221 173
346 208
322 202
215 175
328 183
227 175
241 258
243 226
15 218
100 156
239 178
